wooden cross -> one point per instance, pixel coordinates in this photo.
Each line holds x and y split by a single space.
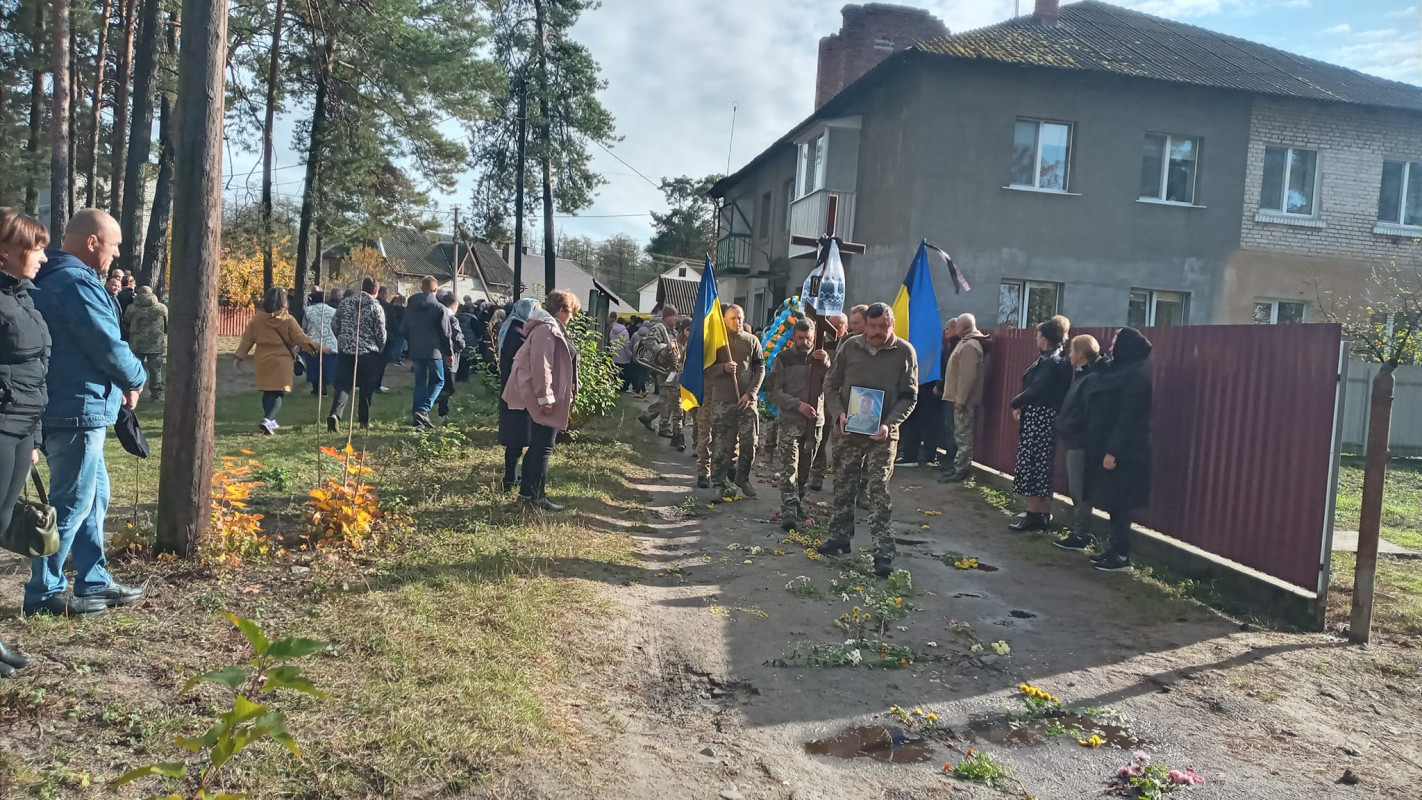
824 332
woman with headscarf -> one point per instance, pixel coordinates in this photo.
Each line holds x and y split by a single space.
513 424
1083 353
1044 385
543 380
1118 409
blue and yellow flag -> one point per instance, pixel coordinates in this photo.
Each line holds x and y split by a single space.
708 337
916 317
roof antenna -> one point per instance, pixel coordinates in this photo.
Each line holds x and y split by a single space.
735 105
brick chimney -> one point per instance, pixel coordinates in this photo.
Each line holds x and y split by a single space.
1048 11
869 34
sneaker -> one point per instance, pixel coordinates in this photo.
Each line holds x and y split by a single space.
1114 563
1073 542
331 423
1101 556
384 390
267 427
421 420
1030 522
703 482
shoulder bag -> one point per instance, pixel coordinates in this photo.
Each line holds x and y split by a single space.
34 527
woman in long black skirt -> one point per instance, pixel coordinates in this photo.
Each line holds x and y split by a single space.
1044 386
514 424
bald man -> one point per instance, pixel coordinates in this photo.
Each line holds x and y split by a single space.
91 372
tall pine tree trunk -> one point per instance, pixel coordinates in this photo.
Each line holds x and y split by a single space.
154 270
123 75
72 145
314 154
185 481
140 134
545 135
32 189
91 196
268 257
59 120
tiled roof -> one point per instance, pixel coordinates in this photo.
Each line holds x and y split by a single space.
679 292
571 277
1098 37
417 252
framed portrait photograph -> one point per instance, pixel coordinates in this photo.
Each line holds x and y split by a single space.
866 409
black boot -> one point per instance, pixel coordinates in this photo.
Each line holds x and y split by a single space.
1031 521
13 658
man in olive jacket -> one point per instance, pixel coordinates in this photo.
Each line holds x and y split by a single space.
732 385
875 360
790 387
963 387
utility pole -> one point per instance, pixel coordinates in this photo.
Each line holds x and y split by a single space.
454 276
545 137
185 482
59 185
519 187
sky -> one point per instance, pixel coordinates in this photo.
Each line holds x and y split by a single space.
676 68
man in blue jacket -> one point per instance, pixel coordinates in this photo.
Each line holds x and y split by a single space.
91 371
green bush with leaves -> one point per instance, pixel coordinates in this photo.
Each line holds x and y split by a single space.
248 722
599 380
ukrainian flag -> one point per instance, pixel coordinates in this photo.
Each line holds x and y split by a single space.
916 317
708 337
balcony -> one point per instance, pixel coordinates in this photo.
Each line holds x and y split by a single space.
807 218
733 253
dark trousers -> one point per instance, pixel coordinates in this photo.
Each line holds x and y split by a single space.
14 472
950 441
362 378
1121 533
535 461
271 404
511 457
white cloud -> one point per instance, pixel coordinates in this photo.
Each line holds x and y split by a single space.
1343 28
1402 13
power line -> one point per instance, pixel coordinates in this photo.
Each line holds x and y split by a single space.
656 185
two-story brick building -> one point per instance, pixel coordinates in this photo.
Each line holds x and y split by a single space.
1097 162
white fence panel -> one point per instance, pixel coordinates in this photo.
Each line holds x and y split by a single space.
1405 436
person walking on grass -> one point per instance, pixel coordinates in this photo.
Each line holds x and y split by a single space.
394 341
24 339
789 387
662 336
456 350
1084 353
543 380
877 360
1118 456
514 424
276 337
91 373
963 387
359 326
1044 386
147 321
320 311
426 327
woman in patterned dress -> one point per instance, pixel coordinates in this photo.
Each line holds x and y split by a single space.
1044 386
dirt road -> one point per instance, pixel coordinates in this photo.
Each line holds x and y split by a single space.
698 707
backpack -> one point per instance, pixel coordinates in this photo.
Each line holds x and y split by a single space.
645 353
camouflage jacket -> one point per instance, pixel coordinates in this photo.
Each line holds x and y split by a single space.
147 323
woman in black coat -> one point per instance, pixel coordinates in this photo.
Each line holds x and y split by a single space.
515 427
1118 408
24 363
1044 386
1083 354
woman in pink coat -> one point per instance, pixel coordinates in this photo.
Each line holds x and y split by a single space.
544 381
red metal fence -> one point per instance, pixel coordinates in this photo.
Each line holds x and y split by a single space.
1242 436
232 321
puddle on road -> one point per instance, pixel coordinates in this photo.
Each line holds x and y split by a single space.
1037 732
885 743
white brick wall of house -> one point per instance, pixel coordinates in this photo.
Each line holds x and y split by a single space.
1352 143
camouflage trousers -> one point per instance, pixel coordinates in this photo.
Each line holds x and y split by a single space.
858 458
965 424
703 439
667 409
795 449
733 436
153 364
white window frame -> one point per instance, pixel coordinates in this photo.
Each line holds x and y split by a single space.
1315 201
1402 198
1035 185
1153 297
1274 309
1170 139
1025 288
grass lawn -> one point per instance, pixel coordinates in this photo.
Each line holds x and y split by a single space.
1398 610
451 649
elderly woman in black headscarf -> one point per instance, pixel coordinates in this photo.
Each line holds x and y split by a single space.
1118 409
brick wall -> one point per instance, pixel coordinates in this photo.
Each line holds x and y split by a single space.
869 34
1352 143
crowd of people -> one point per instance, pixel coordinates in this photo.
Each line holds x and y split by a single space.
846 392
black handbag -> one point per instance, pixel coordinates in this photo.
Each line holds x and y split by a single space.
34 527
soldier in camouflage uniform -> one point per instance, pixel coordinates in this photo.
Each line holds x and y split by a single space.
147 323
732 386
876 360
670 360
791 388
840 323
662 336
